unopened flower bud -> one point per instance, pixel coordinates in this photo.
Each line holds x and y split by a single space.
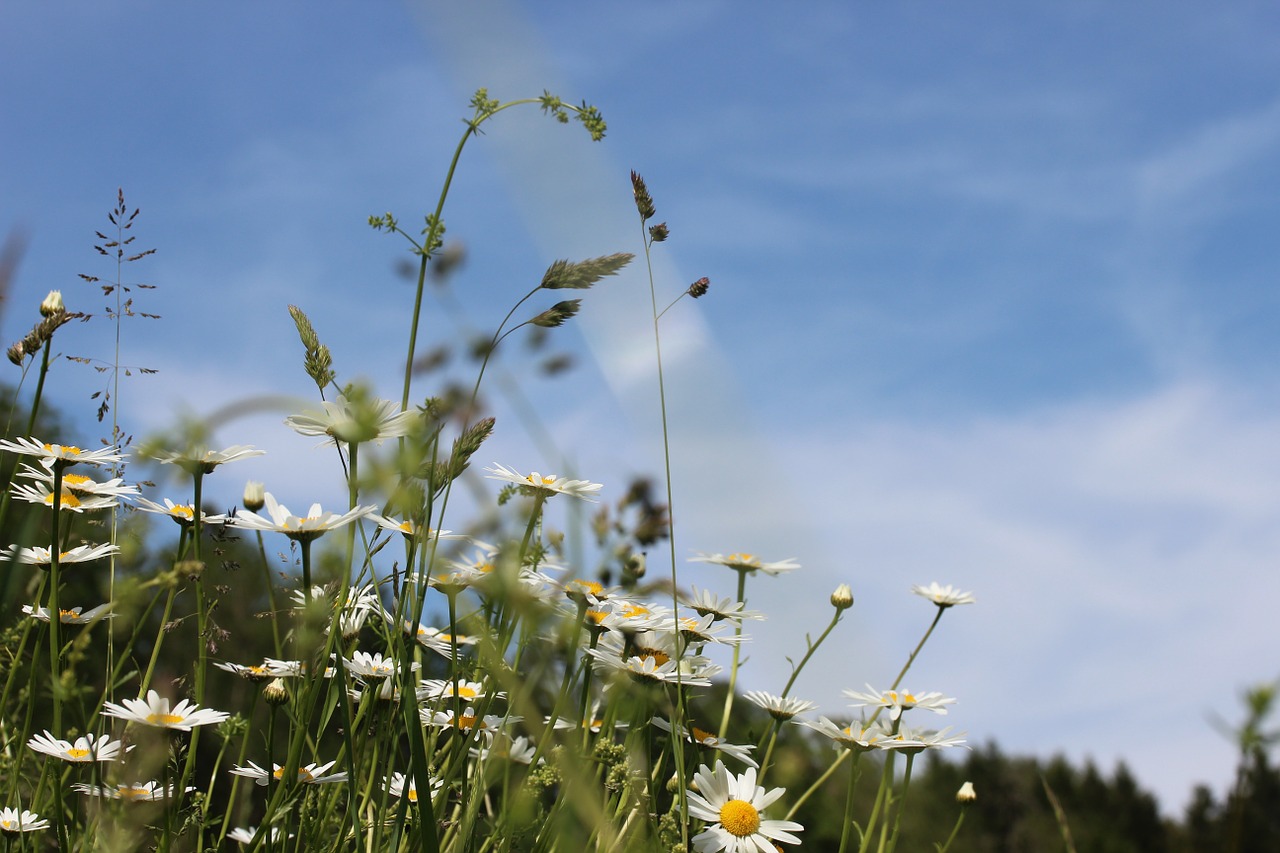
52 304
842 598
966 794
700 287
276 693
17 353
254 496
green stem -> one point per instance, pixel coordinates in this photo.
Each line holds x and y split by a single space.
737 651
55 612
848 803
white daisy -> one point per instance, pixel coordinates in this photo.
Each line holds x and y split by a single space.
241 835
748 563
547 484
898 701
72 616
397 787
67 454
80 484
711 741
944 596
183 514
16 822
137 792
155 711
38 556
733 806
312 774
314 524
780 707
856 735
86 748
42 493
704 601
200 460
371 666
344 421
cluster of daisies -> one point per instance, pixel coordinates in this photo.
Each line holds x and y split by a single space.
625 639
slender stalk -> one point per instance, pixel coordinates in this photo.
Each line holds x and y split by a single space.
737 651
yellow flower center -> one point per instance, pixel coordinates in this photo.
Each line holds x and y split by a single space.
631 611
130 792
704 737
164 719
467 692
739 818
68 499
68 449
406 527
10 825
70 481
596 616
413 795
655 655
77 754
184 511
466 721
745 559
542 481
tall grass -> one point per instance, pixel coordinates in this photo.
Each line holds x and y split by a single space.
392 685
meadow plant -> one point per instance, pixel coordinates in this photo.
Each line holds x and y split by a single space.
417 689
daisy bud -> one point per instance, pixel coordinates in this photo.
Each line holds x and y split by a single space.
255 496
52 304
966 794
276 693
842 598
700 287
17 353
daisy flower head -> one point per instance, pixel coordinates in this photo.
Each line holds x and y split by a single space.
781 708
256 673
857 735
16 822
183 514
709 740
355 419
373 666
242 835
703 601
311 774
519 750
410 529
400 786
748 563
80 485
73 616
436 689
733 805
545 485
38 556
42 493
64 454
652 669
361 604
202 461
467 720
137 792
85 749
155 711
302 528
699 630
943 596
898 701
911 740
440 642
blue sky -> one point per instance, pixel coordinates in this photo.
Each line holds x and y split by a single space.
993 298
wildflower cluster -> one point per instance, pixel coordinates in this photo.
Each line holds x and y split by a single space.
382 682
